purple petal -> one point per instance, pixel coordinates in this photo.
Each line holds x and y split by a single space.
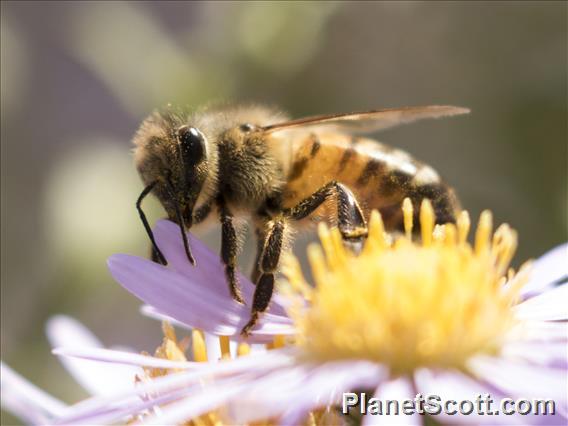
456 386
25 400
153 313
399 389
97 378
189 301
122 412
522 380
197 403
541 331
552 305
209 270
550 354
115 407
550 268
103 356
292 393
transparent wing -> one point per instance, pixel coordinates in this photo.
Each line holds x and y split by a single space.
370 121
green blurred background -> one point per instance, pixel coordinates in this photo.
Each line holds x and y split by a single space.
77 79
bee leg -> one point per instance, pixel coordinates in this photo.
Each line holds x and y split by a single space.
350 219
202 212
260 237
268 263
229 247
155 256
351 224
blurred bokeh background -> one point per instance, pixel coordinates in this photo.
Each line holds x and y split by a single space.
77 78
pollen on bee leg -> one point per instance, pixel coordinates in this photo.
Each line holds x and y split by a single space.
198 346
408 213
426 222
483 232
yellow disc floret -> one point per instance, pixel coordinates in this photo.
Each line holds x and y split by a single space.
408 304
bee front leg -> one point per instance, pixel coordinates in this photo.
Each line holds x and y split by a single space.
229 248
267 265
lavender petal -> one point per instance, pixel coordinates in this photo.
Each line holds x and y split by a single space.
551 305
189 301
301 389
522 380
209 270
25 400
455 385
550 268
97 378
398 389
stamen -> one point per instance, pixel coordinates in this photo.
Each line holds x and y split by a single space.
198 346
279 341
463 226
291 268
450 234
483 232
439 233
408 214
376 240
409 304
338 247
426 222
224 342
325 238
169 331
317 261
243 349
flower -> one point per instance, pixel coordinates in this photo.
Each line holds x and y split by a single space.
438 317
103 379
34 405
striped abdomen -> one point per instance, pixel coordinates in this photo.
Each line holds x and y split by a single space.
380 176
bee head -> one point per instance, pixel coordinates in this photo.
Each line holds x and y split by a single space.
172 158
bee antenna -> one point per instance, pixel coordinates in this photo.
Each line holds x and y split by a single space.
184 235
145 192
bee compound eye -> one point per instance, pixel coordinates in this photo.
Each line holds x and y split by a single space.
192 144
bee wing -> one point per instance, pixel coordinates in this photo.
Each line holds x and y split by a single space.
370 121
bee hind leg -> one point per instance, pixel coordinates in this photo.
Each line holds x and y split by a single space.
351 224
229 249
350 219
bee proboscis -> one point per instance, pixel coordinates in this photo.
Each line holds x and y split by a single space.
252 161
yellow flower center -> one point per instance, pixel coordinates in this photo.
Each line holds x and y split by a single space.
408 304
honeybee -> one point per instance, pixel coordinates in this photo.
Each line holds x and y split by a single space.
253 161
